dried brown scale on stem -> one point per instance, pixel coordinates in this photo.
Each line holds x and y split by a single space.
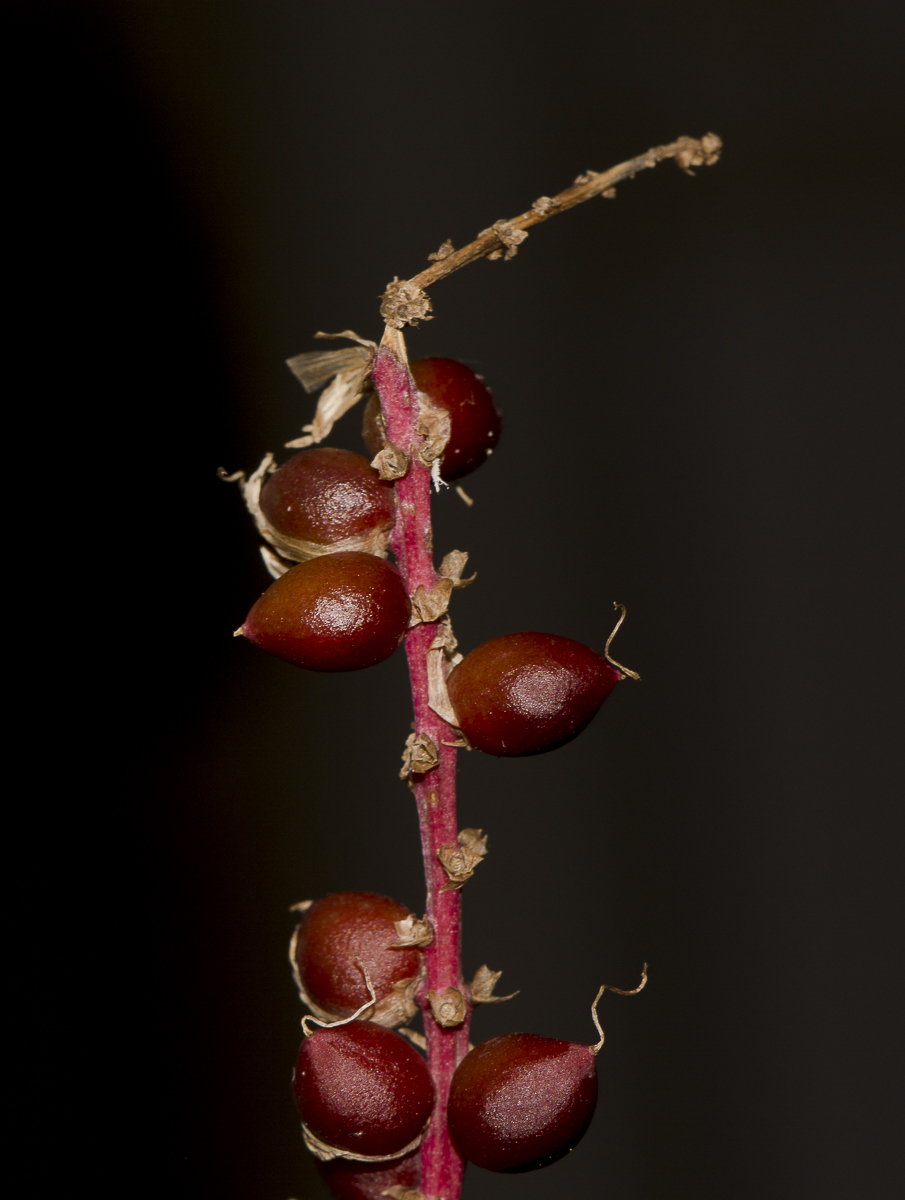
406 303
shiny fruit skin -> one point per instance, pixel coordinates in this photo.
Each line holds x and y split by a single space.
474 421
521 1101
339 612
362 1088
525 693
326 495
337 928
349 1180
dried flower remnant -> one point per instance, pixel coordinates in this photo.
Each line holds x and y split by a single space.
481 989
448 1009
459 862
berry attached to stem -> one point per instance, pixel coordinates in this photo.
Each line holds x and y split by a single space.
339 612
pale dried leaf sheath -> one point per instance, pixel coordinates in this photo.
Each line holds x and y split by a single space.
295 549
326 1153
397 1192
442 652
342 394
314 368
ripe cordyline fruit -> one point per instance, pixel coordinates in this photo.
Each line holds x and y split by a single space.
339 612
474 423
327 496
339 932
525 693
362 1090
521 1101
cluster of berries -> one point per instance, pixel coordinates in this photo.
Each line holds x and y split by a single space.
363 1090
346 609
365 1095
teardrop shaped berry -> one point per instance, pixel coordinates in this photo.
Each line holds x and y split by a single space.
348 1180
326 495
521 1101
362 1089
339 612
337 934
474 421
525 693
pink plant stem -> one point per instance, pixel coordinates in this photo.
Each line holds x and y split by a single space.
435 791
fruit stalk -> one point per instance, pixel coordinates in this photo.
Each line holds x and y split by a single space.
435 790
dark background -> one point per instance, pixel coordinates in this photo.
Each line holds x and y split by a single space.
701 388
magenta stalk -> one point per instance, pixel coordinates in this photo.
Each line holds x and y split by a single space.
435 791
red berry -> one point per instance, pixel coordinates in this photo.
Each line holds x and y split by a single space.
473 417
521 1101
339 933
357 1181
362 1089
525 693
326 495
339 612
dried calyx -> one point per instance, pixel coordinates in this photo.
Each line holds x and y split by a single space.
459 862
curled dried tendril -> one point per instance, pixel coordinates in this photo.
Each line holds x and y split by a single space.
608 987
606 649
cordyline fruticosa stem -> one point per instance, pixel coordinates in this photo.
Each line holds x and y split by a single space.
435 791
405 303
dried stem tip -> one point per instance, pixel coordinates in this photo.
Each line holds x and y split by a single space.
405 301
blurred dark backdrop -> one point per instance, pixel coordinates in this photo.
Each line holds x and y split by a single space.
701 387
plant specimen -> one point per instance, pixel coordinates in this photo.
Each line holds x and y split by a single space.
382 1119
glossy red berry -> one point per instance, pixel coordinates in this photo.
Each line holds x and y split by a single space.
474 421
362 1089
335 936
339 612
521 1101
348 1180
525 693
327 495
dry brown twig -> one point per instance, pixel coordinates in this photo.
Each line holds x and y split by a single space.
405 301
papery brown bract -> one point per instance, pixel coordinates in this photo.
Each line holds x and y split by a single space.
362 1088
525 693
338 934
338 612
521 1101
474 421
326 495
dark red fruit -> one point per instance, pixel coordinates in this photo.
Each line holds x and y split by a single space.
525 693
520 1101
339 612
348 1180
339 933
362 1089
474 421
326 495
